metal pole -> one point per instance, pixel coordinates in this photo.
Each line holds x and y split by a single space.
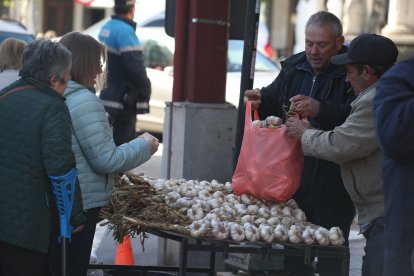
247 73
181 11
64 257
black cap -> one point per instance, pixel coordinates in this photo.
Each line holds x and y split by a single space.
124 2
371 49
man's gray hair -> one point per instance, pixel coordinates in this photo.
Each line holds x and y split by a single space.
43 59
326 18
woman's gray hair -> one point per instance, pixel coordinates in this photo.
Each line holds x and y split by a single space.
326 18
43 59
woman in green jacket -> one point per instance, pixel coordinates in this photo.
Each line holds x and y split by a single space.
97 156
34 144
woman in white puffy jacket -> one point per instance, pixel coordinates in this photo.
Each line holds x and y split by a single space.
97 156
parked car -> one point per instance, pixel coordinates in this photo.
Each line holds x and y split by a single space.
158 49
12 28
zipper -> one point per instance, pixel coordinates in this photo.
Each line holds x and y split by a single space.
313 84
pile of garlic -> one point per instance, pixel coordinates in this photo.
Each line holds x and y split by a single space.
269 122
217 213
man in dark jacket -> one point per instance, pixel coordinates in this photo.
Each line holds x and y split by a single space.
317 89
394 114
353 145
128 87
35 144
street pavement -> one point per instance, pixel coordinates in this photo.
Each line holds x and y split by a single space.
105 246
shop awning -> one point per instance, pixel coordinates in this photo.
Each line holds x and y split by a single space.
96 3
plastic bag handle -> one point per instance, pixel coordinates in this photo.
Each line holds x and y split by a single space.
248 114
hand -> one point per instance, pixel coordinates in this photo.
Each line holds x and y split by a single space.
152 140
254 96
305 106
78 228
296 127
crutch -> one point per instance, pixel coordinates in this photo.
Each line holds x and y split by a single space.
64 194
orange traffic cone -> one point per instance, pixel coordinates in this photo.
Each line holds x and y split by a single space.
124 254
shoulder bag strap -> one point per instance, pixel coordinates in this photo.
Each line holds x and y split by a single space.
16 89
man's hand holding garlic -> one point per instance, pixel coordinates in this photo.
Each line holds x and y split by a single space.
305 106
295 127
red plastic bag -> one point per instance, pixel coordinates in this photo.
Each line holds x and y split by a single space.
270 163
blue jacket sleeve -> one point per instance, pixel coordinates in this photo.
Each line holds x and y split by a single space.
394 112
94 136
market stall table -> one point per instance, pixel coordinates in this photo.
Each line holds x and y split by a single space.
211 246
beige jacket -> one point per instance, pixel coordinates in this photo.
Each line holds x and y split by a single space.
354 147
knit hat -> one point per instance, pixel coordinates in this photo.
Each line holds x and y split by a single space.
124 2
371 49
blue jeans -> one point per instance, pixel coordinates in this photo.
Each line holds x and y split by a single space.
373 260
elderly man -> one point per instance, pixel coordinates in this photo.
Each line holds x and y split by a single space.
353 144
35 144
318 88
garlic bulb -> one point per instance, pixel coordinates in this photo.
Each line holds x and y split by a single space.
126 179
321 236
336 237
287 211
232 198
218 194
308 236
237 232
295 234
214 203
299 215
245 199
286 221
281 233
205 206
228 186
247 218
189 191
258 123
292 204
195 212
171 197
276 211
252 209
205 184
266 233
229 209
220 230
198 228
240 209
251 232
273 121
211 216
205 193
218 211
184 202
273 221
260 221
264 212
216 185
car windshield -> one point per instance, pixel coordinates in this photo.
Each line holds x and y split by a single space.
235 59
